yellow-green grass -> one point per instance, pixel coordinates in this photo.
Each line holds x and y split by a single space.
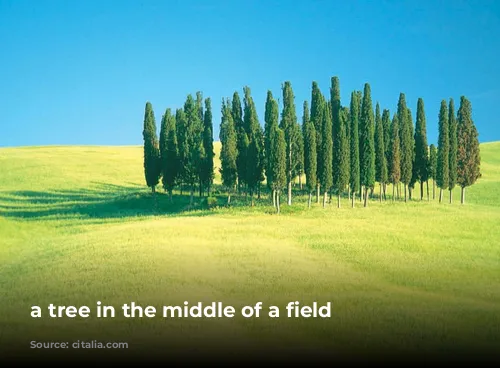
78 225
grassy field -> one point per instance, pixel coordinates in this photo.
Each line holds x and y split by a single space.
78 225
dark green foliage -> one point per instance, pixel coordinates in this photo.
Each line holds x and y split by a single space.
432 162
394 164
367 140
288 124
380 158
414 174
241 161
199 104
310 151
354 143
406 138
468 154
386 124
325 166
207 170
152 167
335 106
452 123
229 149
421 147
278 157
169 151
255 164
194 140
271 117
317 120
342 152
297 151
442 174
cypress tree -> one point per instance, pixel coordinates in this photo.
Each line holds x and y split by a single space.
414 174
433 167
326 151
298 153
271 117
254 165
386 124
380 159
182 145
207 173
288 125
442 172
199 104
152 167
354 147
196 154
169 152
407 145
229 150
452 121
310 154
395 155
468 154
367 143
342 154
421 149
241 161
278 156
317 120
336 138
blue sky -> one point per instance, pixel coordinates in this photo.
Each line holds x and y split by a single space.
80 72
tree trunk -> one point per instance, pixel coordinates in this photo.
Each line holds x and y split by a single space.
349 192
251 198
181 188
427 187
451 196
289 199
362 193
440 195
278 201
310 199
170 195
192 196
274 198
325 198
300 182
385 191
405 192
258 191
153 189
421 190
410 190
317 192
433 189
353 198
393 191
462 196
338 200
366 197
228 199
201 189
380 199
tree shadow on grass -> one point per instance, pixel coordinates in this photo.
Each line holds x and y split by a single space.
102 201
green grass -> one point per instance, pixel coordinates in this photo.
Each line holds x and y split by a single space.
77 225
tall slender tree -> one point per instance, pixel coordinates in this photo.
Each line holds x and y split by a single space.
342 154
271 117
468 154
278 155
152 167
326 151
169 152
380 159
288 125
386 123
241 161
367 143
182 145
452 121
354 147
254 166
421 149
414 171
406 138
394 155
433 168
298 154
310 154
229 150
207 172
317 120
443 162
